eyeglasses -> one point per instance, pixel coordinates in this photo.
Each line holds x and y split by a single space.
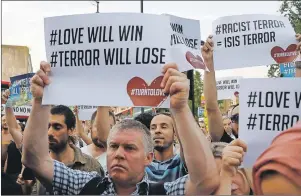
235 118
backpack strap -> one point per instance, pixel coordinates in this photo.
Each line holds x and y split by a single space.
96 186
156 189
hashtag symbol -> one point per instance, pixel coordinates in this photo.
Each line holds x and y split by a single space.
133 92
53 61
218 29
252 99
53 37
252 120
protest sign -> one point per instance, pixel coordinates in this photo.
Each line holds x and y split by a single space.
85 112
267 107
287 69
227 87
253 40
20 89
115 59
18 110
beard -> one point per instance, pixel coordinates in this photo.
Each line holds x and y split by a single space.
57 146
97 143
161 148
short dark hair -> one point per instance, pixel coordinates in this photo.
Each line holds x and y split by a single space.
145 118
67 112
94 116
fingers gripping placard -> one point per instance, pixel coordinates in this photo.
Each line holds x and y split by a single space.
266 110
253 40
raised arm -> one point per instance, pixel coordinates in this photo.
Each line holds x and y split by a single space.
215 121
35 142
102 123
203 176
80 129
11 120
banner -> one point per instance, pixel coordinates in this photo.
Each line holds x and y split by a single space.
288 69
116 59
253 40
20 89
267 107
18 110
227 87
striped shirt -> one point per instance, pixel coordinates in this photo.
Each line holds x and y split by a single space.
166 171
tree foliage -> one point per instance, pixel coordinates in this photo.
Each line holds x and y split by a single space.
198 90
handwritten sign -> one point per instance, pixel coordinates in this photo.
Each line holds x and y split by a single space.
20 89
116 59
227 87
266 110
253 40
85 112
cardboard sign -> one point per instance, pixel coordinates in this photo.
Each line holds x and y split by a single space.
227 87
115 59
18 110
20 89
253 40
267 107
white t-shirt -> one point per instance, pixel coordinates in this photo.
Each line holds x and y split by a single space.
102 159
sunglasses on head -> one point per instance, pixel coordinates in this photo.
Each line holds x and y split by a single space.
234 118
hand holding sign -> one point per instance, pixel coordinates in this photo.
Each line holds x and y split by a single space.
233 156
39 80
207 53
176 85
5 96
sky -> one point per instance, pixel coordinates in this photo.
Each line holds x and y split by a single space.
23 21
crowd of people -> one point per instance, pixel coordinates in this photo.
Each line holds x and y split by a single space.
167 153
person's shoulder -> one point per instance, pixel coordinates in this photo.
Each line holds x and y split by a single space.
92 164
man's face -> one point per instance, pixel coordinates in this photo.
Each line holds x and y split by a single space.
235 120
162 131
203 127
58 133
3 123
94 133
126 157
239 184
227 125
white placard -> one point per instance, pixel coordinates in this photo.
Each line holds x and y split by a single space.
267 107
252 40
114 59
227 87
85 112
18 110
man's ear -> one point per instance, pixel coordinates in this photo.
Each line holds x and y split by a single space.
70 132
148 158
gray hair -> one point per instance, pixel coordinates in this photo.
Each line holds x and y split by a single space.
217 149
133 125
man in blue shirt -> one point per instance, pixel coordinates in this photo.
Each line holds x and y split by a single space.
166 166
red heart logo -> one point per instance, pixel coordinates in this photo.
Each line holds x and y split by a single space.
287 56
196 61
143 94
